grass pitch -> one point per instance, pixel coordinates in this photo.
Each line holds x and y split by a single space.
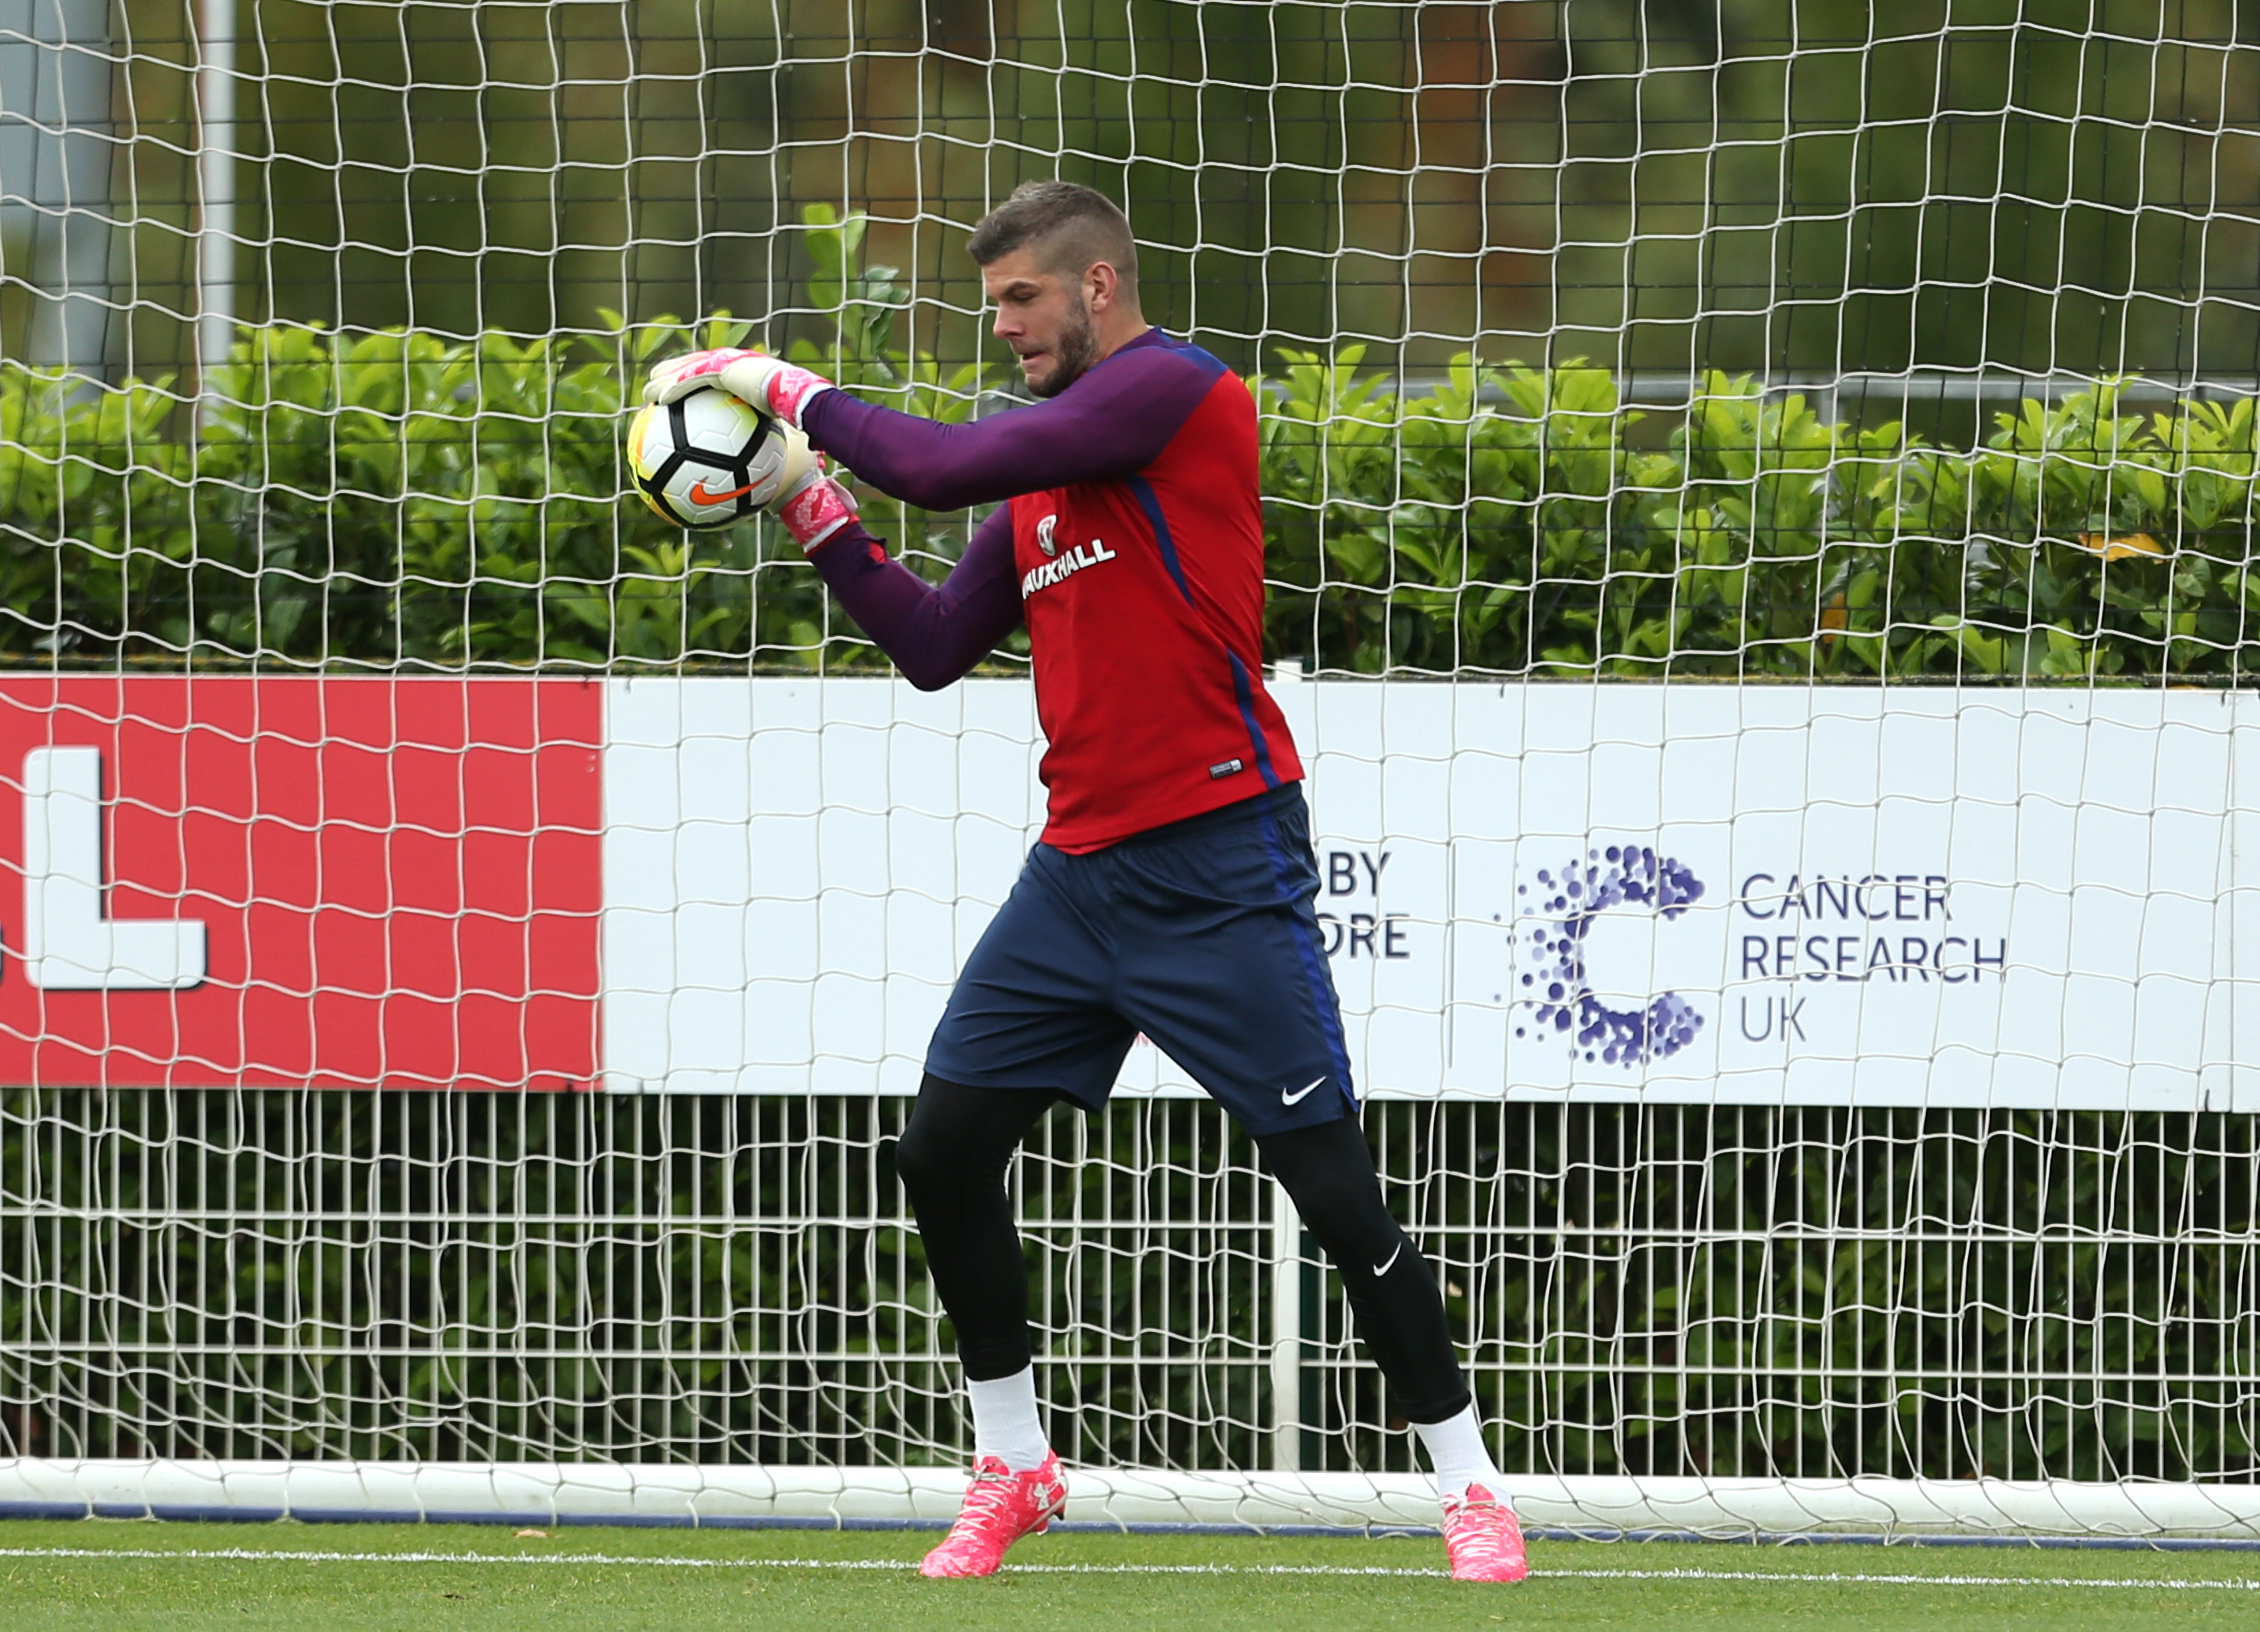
96 1577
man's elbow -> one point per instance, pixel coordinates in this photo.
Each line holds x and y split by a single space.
923 680
928 674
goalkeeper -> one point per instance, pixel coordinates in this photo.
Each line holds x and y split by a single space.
1172 890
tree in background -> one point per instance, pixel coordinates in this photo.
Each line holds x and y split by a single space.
1801 188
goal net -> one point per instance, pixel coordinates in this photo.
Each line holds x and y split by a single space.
1759 505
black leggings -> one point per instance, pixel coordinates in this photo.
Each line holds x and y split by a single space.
952 1158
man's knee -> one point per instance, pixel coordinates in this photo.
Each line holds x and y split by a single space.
958 1136
1329 1173
918 1160
933 1141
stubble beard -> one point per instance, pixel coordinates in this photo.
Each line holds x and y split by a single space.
1078 354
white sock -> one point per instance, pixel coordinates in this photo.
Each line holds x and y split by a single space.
1005 1423
1456 1450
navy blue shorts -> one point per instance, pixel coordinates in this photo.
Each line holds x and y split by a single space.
1200 934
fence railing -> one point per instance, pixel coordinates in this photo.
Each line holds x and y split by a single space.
1661 1290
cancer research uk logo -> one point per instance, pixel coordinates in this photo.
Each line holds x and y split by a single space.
1620 878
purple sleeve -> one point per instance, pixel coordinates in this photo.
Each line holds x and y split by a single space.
1111 423
934 632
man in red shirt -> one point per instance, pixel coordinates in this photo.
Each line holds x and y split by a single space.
1172 891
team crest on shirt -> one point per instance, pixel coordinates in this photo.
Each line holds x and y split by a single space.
1060 568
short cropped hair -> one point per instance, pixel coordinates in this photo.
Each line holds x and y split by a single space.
1069 227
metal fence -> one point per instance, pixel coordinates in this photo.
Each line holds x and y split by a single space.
1646 1290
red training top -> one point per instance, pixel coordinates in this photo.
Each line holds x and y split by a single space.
1133 549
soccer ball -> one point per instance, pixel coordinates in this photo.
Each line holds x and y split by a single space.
709 459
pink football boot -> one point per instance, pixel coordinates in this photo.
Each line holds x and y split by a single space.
1000 1507
1483 1538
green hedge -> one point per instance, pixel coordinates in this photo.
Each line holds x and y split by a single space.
401 498
1510 521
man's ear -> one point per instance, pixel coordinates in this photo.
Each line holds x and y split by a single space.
1101 285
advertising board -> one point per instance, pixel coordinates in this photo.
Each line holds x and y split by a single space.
1762 894
1693 893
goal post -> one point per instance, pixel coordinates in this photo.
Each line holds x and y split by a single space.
1759 508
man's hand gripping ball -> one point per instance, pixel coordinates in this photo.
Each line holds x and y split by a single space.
810 504
769 383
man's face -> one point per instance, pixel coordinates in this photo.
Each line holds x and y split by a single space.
1042 317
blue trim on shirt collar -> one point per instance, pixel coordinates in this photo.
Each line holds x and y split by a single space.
1163 340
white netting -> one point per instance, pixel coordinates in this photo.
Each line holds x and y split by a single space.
1600 342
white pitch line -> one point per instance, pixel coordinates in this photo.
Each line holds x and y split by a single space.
251 1555
2159 1583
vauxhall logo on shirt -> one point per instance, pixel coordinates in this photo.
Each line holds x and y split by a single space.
1060 567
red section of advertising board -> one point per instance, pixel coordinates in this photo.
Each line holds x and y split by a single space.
398 880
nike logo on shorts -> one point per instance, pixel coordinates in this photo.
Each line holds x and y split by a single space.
1300 1094
1380 1270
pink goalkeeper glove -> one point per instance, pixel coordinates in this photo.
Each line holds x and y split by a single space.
814 508
769 383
